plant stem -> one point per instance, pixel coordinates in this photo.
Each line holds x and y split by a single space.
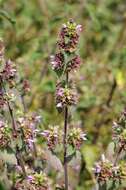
10 110
65 142
12 118
117 155
23 103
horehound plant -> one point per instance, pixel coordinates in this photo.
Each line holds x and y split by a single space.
18 127
64 63
111 173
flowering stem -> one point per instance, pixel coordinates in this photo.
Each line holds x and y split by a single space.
65 142
12 118
23 103
10 111
18 153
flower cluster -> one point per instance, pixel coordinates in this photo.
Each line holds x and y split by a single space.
5 139
52 136
57 62
74 63
105 170
28 126
25 86
119 131
67 59
8 68
76 137
9 72
2 98
38 181
65 96
69 36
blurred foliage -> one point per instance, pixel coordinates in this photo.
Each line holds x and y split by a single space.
30 28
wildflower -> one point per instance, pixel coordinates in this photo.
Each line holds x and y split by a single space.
119 131
9 72
52 136
26 86
65 96
38 181
57 61
69 36
2 99
76 137
105 170
28 126
67 59
4 135
74 63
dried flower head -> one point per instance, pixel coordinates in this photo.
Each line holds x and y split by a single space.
2 98
52 136
57 62
119 131
76 137
5 139
69 36
67 59
26 86
74 63
65 96
9 72
38 181
28 126
105 170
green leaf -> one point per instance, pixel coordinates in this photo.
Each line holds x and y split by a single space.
7 16
2 187
70 157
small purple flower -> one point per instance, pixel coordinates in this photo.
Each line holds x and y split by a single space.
30 178
79 29
97 169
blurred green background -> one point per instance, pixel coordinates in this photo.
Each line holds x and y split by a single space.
30 29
